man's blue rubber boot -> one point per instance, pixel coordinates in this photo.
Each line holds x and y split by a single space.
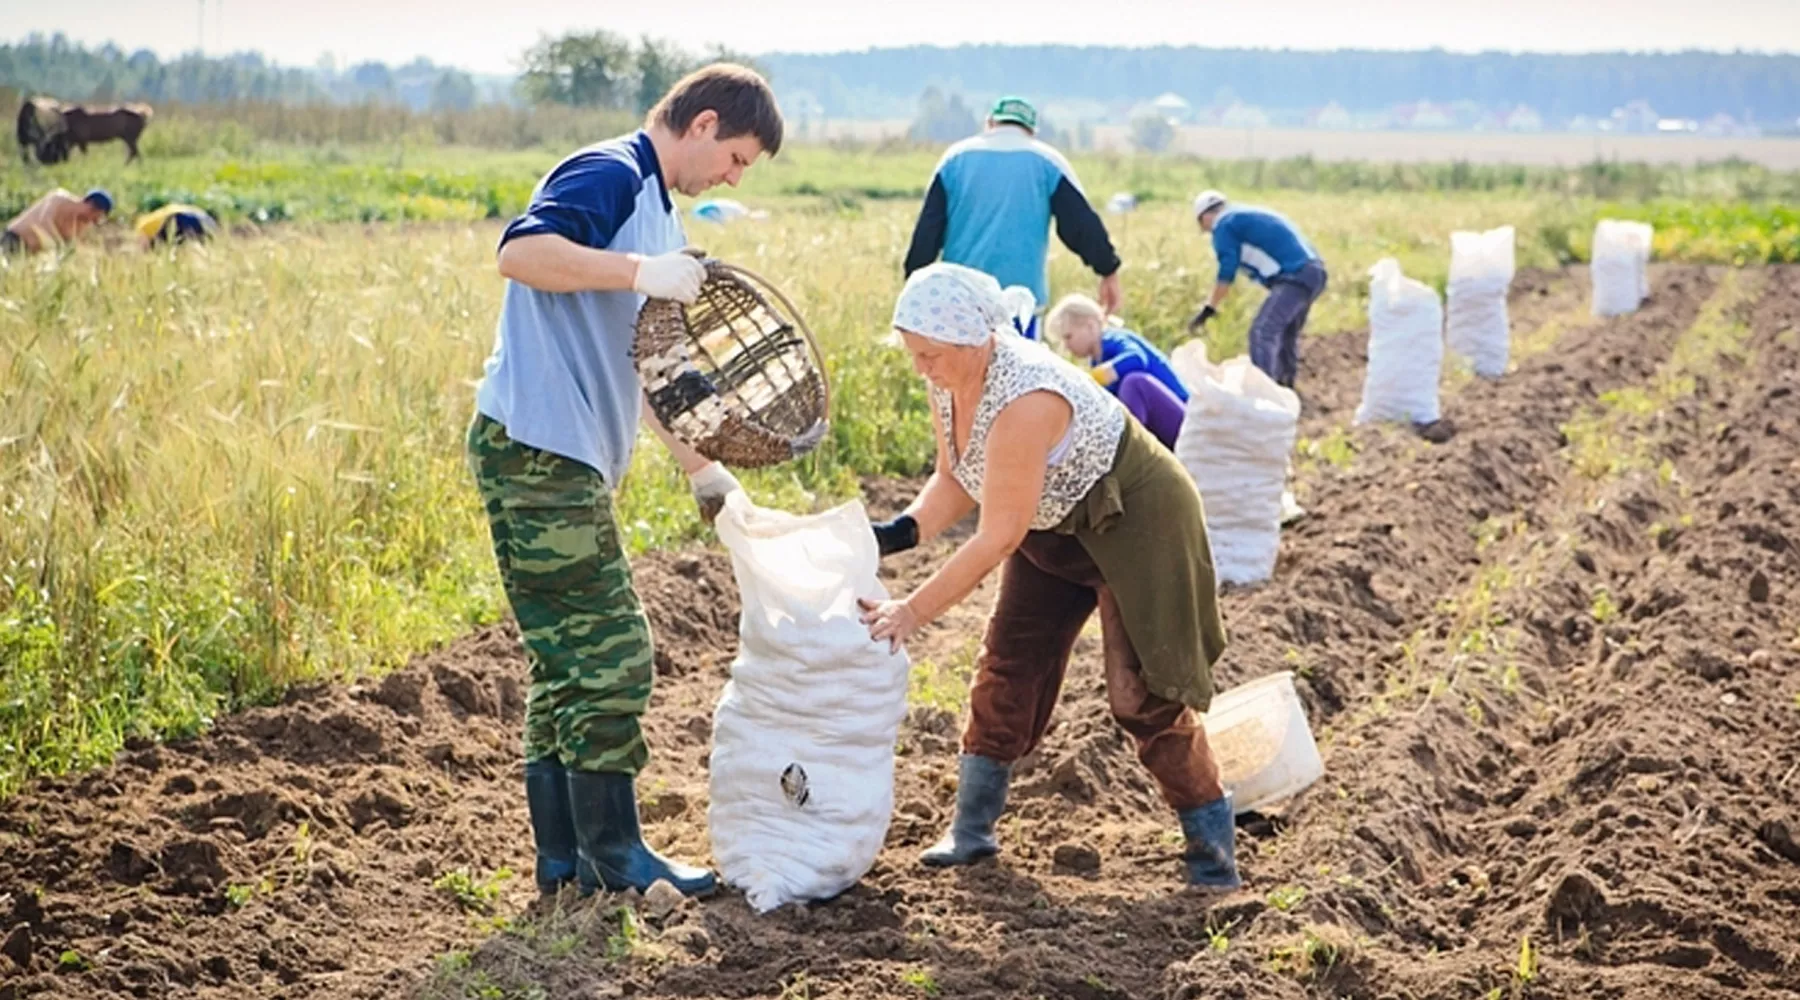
547 798
611 844
980 796
1211 855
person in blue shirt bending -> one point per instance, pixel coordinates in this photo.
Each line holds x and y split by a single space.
1129 366
1267 247
991 202
556 417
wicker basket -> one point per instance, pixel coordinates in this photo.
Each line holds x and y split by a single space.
738 379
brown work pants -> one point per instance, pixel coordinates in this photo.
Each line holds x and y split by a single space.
1048 588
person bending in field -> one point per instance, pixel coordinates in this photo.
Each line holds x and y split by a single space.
175 223
1081 511
990 205
1270 249
556 416
57 219
1130 367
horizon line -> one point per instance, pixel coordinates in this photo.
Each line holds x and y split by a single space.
874 49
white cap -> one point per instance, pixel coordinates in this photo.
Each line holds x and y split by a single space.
1206 201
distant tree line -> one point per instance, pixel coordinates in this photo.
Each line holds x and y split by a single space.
584 69
886 82
56 66
59 67
601 69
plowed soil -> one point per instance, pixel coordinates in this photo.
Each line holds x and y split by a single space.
1549 652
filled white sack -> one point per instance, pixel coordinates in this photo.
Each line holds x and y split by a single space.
802 771
1236 438
1406 348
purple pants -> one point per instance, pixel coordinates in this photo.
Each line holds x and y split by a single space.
1154 406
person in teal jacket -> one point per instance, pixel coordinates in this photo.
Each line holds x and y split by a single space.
991 203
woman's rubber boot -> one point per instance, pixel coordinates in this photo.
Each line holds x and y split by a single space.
611 844
1211 855
980 796
552 827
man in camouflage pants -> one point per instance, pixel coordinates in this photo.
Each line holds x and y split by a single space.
558 413
570 586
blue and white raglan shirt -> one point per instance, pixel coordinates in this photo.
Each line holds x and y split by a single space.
1262 243
990 206
560 377
1127 352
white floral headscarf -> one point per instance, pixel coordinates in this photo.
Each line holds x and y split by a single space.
952 304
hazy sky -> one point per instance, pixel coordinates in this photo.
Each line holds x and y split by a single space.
487 35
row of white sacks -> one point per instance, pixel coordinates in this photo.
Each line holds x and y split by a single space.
1239 430
1402 311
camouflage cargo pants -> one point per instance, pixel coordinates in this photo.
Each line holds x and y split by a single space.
569 585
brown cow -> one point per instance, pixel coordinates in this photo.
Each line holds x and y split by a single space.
84 125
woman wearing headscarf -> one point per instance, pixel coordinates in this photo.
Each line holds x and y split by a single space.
1082 509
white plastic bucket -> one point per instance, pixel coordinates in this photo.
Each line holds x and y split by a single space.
1262 741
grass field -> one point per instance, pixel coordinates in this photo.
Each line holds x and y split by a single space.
223 470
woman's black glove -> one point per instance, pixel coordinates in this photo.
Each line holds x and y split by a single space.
898 535
1200 319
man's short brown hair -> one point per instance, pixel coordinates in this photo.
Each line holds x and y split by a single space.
740 96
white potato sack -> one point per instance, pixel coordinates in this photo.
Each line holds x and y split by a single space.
1236 438
1481 273
1406 348
1620 266
802 771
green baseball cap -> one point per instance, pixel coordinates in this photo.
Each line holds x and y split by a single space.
1016 110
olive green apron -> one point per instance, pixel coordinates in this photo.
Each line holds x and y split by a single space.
1145 529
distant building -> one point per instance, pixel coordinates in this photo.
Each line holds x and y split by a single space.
1331 115
1524 118
1670 125
1724 124
1241 115
1423 115
1467 114
1173 107
1637 116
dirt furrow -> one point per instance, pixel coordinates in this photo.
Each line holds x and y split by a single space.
1511 758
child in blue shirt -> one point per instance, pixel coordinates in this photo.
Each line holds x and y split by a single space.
1129 366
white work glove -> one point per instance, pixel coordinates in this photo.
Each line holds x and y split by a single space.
669 276
712 483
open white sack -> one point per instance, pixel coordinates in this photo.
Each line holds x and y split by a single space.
1481 273
1620 266
1406 348
802 773
1236 438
